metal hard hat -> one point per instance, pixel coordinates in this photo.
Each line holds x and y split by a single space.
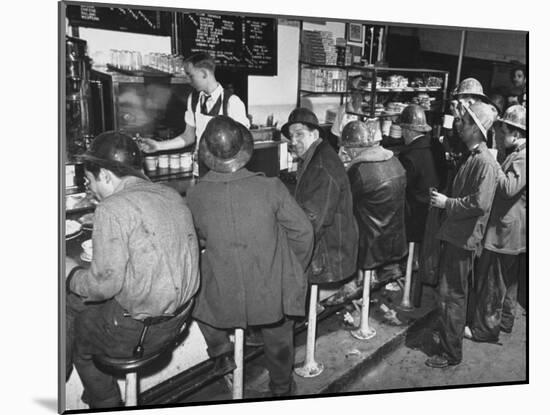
414 118
225 145
361 134
515 116
484 115
471 86
301 116
116 151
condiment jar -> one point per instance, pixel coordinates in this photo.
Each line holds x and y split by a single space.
163 161
175 161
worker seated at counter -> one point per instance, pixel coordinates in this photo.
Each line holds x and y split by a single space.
378 183
323 192
144 264
257 243
207 100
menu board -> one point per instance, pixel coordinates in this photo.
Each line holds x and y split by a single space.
119 18
241 42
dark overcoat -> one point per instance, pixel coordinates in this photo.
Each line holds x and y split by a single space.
418 160
378 184
323 191
257 243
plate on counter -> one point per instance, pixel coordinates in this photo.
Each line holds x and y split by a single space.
87 220
72 228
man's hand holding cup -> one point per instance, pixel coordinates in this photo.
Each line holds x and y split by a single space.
437 199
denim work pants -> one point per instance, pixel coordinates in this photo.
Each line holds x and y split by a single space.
456 265
102 328
496 293
278 349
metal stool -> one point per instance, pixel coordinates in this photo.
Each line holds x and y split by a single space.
131 365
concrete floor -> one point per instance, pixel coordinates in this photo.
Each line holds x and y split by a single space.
483 363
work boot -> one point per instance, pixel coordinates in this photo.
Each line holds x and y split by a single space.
346 292
440 361
289 392
224 363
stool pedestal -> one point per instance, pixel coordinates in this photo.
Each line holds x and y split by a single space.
310 367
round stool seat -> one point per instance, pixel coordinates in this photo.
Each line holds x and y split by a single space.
129 364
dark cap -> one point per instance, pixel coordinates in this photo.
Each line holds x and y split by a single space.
301 116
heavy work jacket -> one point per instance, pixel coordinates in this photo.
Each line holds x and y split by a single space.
506 230
146 253
378 185
418 160
469 203
257 243
323 192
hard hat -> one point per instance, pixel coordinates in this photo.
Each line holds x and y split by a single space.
226 145
483 115
361 134
515 116
414 118
116 151
471 86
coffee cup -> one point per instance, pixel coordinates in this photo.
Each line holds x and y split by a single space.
448 121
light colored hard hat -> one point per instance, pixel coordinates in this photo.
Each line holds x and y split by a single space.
484 115
515 116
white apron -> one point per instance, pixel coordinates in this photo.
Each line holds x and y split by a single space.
201 120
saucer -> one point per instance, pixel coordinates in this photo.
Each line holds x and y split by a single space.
85 257
73 235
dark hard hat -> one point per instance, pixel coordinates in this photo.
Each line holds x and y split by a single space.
414 118
515 116
361 134
301 116
225 145
116 151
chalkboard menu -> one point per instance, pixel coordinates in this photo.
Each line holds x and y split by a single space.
117 18
241 42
